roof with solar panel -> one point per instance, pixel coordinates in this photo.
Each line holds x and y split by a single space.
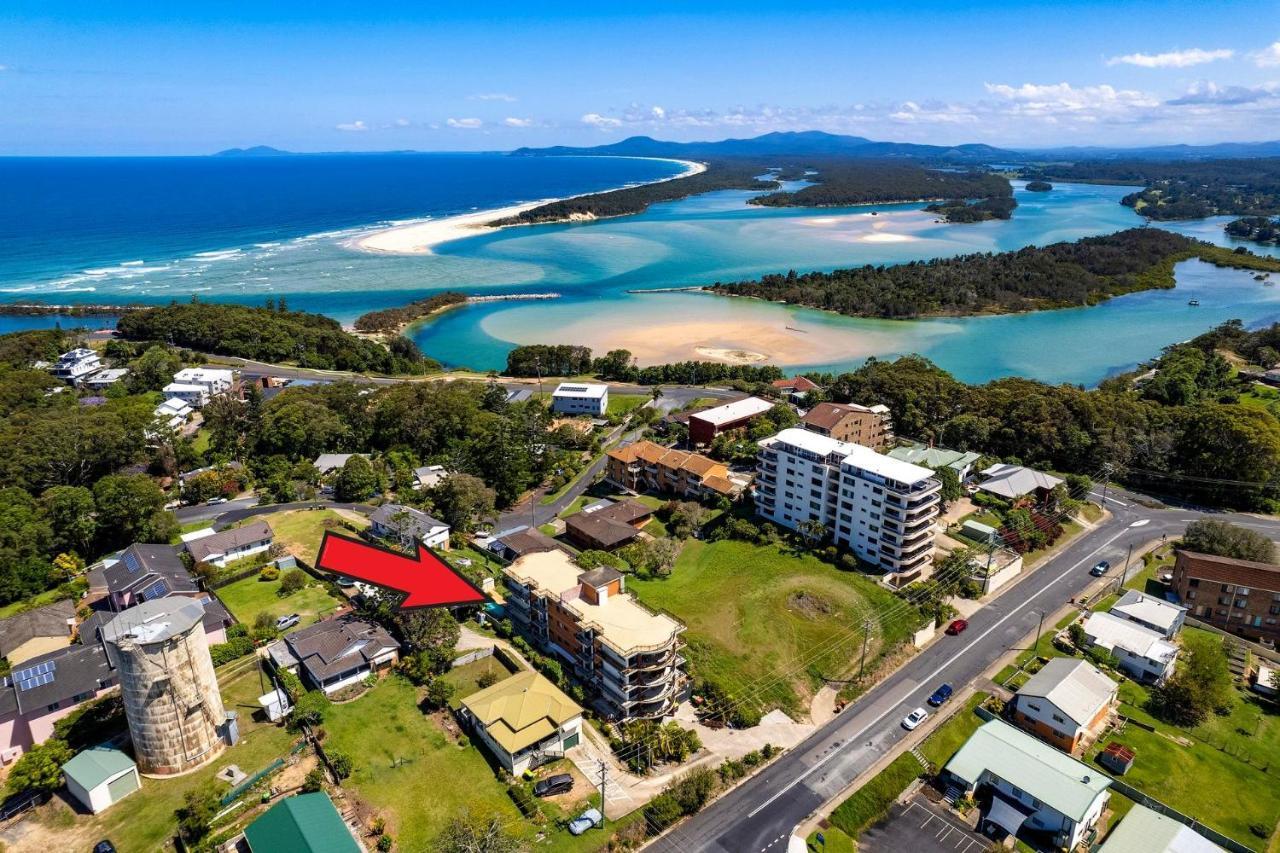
142 566
75 673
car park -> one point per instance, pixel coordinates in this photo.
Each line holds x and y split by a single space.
558 784
941 695
915 718
957 627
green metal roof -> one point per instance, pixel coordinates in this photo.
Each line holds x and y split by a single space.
307 823
934 457
1147 831
96 765
1050 776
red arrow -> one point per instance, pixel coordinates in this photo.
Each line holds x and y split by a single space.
429 581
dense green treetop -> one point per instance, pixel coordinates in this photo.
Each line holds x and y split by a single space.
1064 274
1260 229
270 334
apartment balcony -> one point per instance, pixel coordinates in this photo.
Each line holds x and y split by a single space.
767 477
655 693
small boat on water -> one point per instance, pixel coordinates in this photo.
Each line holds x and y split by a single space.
1194 302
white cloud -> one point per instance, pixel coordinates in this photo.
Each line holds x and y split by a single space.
401 122
1172 59
658 113
1210 93
495 96
352 125
601 122
464 123
511 121
932 113
1063 99
1268 57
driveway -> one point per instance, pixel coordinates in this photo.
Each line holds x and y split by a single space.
920 826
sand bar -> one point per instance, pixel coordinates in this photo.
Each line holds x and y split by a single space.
419 237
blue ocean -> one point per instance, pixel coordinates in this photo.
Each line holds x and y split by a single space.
152 230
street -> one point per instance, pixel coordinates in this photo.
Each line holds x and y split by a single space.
752 816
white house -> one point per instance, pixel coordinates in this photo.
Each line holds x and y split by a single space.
104 379
1150 612
1143 653
1015 481
883 509
524 721
75 365
430 476
173 413
214 380
193 395
580 398
100 777
231 545
1021 781
408 526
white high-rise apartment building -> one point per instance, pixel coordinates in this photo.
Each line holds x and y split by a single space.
882 509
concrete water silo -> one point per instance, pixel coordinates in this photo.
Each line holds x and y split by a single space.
168 684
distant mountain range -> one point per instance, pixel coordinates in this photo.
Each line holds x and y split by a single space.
817 143
808 143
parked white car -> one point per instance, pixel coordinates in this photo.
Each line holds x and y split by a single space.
915 718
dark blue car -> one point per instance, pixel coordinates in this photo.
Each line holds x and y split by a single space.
942 694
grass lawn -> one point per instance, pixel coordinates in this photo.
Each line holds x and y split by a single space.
248 597
625 404
396 748
301 530
406 750
834 841
943 741
49 596
870 802
145 821
1259 397
755 616
1224 754
466 679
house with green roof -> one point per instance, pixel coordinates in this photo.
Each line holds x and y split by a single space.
960 461
307 823
524 720
1146 831
1024 785
100 776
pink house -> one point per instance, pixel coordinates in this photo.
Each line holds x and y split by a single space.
45 689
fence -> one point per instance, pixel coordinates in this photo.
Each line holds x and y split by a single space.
1155 805
473 656
239 790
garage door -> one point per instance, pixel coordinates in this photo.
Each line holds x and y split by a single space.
571 741
126 784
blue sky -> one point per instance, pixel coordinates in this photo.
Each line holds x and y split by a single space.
122 77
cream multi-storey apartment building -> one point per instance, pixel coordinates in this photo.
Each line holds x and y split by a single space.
882 509
627 655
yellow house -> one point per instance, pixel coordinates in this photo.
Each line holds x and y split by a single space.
524 720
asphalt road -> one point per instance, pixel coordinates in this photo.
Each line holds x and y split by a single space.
765 809
222 515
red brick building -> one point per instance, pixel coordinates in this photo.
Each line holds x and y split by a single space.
1239 596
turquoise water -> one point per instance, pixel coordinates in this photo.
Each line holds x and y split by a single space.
128 231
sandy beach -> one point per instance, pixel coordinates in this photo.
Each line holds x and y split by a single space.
419 238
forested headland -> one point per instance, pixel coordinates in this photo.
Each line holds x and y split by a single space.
273 334
1183 189
1082 272
395 319
849 182
727 174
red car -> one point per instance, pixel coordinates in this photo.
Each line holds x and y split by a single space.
957 627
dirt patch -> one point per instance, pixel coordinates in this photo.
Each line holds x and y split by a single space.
809 605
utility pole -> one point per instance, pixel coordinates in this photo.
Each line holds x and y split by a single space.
604 776
1036 647
866 633
1106 480
1124 573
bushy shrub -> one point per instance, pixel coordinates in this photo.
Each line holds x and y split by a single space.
292 581
269 573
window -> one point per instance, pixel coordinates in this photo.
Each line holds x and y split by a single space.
1058 719
1193 583
876 490
1191 595
1242 602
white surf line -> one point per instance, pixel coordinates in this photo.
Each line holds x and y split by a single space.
932 675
